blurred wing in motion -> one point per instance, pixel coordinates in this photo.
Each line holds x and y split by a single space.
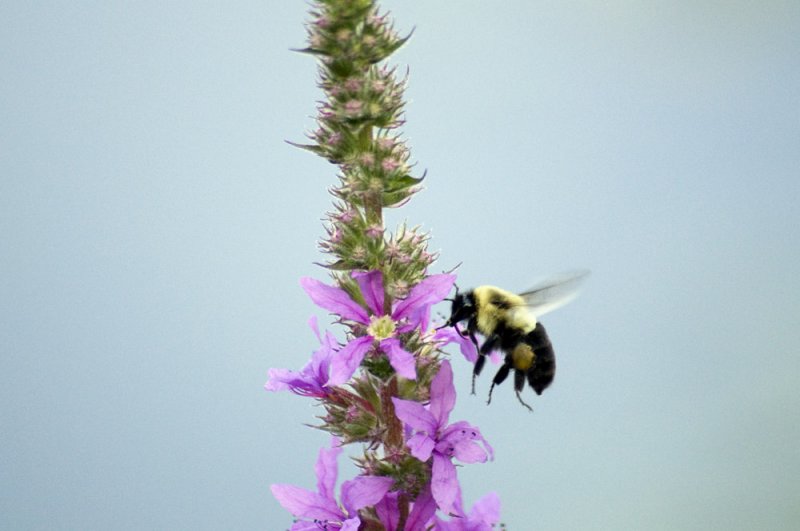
554 292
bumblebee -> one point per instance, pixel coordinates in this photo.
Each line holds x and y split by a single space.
509 323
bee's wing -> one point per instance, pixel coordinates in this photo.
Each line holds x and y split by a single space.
554 292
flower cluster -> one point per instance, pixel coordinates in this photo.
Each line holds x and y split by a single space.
433 438
417 474
381 380
321 506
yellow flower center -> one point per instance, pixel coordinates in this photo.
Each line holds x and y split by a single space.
381 327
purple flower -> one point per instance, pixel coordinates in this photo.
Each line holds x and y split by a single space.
311 379
321 508
485 512
430 435
407 314
449 334
419 518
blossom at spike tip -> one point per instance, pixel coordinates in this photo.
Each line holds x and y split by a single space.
320 510
407 314
430 436
311 380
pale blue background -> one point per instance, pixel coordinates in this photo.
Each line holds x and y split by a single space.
154 225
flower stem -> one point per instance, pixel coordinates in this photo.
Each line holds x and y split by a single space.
402 505
394 428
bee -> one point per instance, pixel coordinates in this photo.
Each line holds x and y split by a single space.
509 322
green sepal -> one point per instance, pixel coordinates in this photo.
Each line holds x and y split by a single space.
311 51
338 265
379 366
391 48
357 432
313 148
402 182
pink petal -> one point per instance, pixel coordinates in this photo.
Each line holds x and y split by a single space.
334 300
388 511
461 433
444 484
443 394
371 285
417 318
364 491
347 360
469 452
279 379
351 524
401 360
321 359
421 446
458 504
312 322
487 509
309 381
306 504
430 291
304 525
415 416
326 469
423 510
465 344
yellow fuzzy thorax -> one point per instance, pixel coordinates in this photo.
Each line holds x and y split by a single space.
496 305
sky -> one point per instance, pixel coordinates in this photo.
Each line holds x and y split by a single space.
154 225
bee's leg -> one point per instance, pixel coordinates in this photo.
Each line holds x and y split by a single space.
501 375
483 352
476 370
474 339
469 332
472 325
489 345
519 385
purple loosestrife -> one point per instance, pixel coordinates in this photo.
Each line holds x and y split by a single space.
311 380
381 328
431 437
320 509
484 515
378 378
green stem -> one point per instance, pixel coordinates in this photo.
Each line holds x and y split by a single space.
402 505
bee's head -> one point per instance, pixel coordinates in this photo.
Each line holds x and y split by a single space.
463 307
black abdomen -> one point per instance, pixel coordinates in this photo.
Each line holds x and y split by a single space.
541 375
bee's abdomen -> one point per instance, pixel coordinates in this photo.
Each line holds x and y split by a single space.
541 375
